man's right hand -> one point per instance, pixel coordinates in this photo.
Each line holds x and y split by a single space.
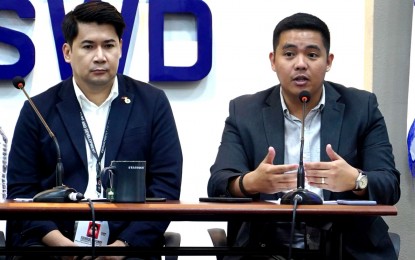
56 238
267 178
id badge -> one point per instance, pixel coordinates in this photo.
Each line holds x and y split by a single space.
85 231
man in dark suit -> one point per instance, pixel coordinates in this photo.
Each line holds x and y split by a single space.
347 153
98 116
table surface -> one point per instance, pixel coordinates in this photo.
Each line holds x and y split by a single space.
180 210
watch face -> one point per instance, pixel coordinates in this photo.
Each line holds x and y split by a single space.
363 182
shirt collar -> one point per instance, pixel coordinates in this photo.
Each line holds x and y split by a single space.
319 106
82 99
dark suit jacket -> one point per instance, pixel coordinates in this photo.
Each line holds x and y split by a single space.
351 122
141 130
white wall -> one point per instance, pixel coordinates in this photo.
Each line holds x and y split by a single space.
242 40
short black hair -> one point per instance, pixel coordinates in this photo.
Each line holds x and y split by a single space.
92 12
302 21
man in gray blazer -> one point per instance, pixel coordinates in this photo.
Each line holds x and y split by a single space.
347 153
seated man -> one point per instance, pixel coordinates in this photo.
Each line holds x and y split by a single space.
347 153
98 116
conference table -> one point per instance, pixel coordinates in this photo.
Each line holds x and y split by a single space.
179 211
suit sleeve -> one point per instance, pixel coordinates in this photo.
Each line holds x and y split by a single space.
231 160
377 158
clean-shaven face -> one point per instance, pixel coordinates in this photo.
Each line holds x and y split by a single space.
94 55
300 61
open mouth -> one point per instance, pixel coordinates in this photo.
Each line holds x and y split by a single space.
300 80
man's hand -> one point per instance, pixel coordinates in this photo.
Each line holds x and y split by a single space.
267 177
117 243
56 238
338 174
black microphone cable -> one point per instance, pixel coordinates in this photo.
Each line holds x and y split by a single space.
297 198
91 205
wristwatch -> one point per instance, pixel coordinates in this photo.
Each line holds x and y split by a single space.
361 181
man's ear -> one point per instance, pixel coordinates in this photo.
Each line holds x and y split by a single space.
271 59
66 50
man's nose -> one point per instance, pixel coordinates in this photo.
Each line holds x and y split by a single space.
301 62
99 55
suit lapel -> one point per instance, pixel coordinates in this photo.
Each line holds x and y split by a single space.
273 119
118 119
71 118
331 123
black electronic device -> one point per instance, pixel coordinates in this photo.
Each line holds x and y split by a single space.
156 199
225 199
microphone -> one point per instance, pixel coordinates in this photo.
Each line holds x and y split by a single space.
60 193
302 195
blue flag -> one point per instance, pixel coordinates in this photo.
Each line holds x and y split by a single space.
411 148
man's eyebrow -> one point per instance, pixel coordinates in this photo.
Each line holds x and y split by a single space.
311 46
90 42
110 41
289 45
87 41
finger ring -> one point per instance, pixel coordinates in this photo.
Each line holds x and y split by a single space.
322 180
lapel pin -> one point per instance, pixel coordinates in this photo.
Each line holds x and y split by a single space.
126 100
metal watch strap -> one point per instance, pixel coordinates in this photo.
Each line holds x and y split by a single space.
360 176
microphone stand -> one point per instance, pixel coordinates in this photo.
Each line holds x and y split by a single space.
302 195
4 171
59 193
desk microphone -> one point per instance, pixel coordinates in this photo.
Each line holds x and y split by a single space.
302 195
60 193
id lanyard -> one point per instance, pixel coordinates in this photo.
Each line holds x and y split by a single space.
91 145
